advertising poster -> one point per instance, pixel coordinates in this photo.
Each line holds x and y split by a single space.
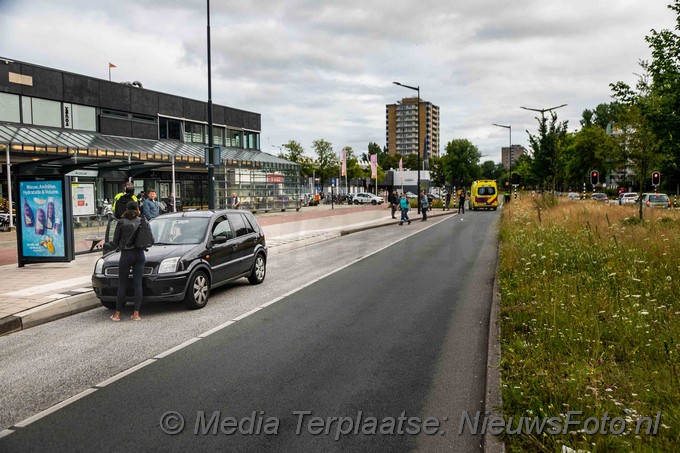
83 200
40 215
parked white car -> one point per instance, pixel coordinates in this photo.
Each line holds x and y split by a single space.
366 198
573 196
629 198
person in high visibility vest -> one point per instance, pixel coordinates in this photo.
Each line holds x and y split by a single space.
121 200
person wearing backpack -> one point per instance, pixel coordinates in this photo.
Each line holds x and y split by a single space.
131 257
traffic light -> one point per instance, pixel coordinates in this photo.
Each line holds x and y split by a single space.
656 178
516 178
594 177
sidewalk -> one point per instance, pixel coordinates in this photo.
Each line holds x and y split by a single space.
39 293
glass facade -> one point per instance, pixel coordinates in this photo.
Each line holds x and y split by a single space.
9 108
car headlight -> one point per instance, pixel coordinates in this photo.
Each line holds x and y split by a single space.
99 267
168 265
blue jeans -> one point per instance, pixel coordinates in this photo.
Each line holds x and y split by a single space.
130 259
404 215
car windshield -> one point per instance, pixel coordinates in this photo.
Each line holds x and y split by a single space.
179 230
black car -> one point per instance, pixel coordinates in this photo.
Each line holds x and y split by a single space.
193 252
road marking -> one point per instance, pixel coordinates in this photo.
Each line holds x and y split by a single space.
245 315
122 374
176 348
215 329
54 408
139 366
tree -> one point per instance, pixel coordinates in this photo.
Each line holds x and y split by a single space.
602 116
638 143
590 149
327 160
294 153
460 162
491 170
547 150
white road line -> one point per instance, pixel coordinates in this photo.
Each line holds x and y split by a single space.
122 374
176 348
5 432
54 408
215 329
245 315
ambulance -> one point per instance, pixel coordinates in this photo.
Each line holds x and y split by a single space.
484 195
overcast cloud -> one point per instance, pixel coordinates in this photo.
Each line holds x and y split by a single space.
320 69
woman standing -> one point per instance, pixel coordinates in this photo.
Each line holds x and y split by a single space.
130 258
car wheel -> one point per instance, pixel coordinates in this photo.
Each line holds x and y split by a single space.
374 202
259 270
356 201
110 304
198 291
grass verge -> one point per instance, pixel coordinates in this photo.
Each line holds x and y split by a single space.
590 326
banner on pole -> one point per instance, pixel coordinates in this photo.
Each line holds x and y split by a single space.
374 166
344 162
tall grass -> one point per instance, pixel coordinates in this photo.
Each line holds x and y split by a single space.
590 321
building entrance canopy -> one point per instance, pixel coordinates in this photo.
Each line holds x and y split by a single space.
38 141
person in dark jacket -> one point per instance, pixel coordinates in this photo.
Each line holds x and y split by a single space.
393 200
130 258
121 200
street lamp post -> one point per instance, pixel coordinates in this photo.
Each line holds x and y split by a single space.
211 144
418 145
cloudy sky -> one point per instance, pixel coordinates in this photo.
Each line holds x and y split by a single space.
321 69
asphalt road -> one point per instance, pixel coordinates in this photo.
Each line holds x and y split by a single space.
392 342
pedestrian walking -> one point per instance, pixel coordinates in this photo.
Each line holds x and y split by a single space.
424 204
461 202
130 258
393 200
235 201
121 200
150 208
448 201
403 204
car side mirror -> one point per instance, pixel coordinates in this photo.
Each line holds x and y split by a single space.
219 240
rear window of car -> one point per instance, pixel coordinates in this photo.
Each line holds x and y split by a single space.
486 191
660 197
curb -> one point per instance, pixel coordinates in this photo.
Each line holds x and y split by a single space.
493 400
49 312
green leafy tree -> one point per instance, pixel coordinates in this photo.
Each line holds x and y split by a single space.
547 150
491 170
294 151
326 160
603 116
639 145
591 148
461 162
